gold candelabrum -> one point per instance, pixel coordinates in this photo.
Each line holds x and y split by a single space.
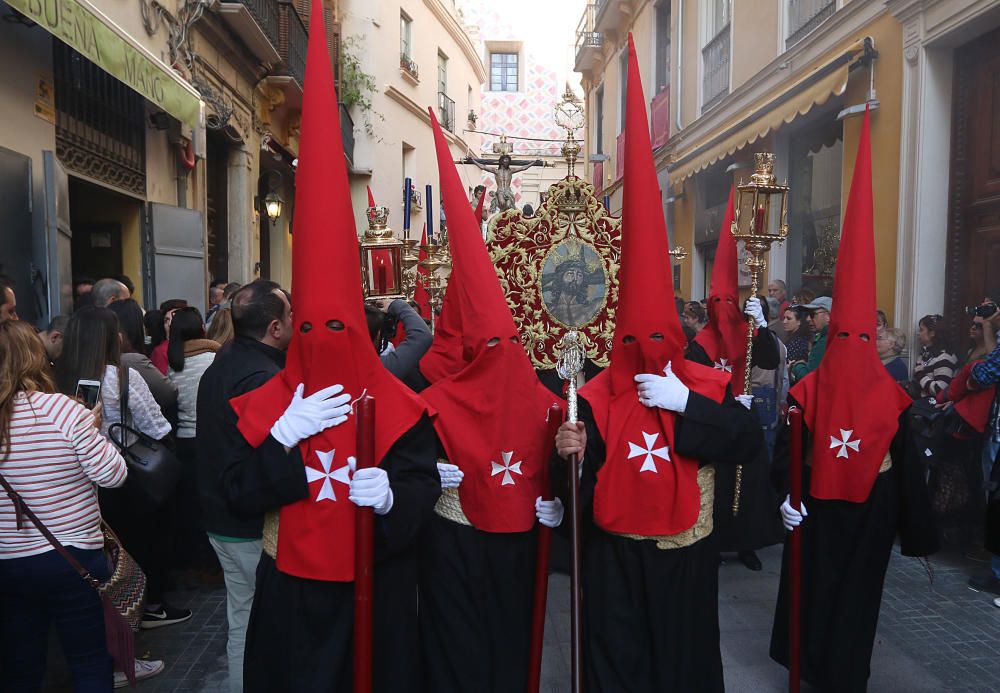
759 202
436 263
409 262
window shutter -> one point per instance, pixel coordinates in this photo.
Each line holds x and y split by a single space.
333 42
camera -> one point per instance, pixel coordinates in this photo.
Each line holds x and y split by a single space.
984 311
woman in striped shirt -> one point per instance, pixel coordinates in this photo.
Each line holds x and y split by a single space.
936 366
53 455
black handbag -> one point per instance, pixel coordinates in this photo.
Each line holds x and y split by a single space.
153 468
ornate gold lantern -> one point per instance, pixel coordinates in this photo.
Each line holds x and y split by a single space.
755 204
381 258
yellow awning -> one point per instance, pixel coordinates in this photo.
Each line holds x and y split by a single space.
746 128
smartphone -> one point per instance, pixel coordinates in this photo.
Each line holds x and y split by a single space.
88 391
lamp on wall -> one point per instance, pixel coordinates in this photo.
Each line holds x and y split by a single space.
271 204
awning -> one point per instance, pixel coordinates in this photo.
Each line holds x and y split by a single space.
814 89
90 32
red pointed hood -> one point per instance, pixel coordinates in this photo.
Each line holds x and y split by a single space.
724 338
492 406
330 343
657 493
371 197
852 427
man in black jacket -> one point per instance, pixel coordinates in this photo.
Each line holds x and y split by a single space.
237 483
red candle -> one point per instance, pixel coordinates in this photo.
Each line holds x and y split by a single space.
759 220
381 282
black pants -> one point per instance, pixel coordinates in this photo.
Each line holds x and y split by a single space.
41 590
146 532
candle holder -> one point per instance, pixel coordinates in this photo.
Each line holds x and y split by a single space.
434 283
381 258
752 225
409 263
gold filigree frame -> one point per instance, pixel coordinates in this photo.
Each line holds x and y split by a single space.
519 247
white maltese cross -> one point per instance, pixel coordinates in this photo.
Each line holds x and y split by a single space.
342 475
845 442
506 468
650 451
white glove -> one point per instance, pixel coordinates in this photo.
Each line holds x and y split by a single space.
370 488
307 416
549 513
745 400
790 517
666 391
755 311
451 475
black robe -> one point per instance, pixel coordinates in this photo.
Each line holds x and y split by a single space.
650 616
476 592
300 633
845 554
757 524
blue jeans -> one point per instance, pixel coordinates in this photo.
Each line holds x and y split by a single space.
41 590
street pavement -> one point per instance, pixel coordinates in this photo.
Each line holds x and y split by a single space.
934 635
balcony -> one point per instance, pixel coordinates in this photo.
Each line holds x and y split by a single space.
293 42
446 112
588 41
715 84
598 177
347 132
659 116
806 15
608 14
256 23
408 68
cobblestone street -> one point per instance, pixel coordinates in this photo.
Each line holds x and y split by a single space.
932 637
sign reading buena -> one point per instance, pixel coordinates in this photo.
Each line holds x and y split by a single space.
88 31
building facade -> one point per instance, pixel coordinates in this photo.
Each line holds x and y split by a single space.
141 138
727 79
436 66
525 48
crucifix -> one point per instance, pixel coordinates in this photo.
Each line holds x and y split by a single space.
503 170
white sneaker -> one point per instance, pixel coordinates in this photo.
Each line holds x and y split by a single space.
144 669
996 602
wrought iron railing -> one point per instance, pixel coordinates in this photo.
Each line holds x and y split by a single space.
806 15
347 132
586 37
715 84
293 41
446 111
265 13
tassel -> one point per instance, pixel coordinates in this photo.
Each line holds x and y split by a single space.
120 640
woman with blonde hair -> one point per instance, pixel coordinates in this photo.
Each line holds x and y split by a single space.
52 455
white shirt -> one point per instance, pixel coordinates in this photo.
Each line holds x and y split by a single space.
144 413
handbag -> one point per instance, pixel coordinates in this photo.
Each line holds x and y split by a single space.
122 595
153 468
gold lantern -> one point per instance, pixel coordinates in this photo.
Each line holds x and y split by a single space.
381 258
758 203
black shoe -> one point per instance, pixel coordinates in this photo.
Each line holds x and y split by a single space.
750 560
986 583
165 616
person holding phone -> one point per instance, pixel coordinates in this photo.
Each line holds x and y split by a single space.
92 351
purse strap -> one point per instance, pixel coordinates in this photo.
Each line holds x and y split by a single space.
21 508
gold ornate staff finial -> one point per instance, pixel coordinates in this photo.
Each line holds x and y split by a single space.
751 224
568 366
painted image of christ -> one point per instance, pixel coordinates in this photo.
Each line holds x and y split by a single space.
573 283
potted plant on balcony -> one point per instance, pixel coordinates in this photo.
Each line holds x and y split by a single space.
473 118
407 64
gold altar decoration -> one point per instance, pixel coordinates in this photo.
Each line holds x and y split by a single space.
437 264
381 257
757 203
559 271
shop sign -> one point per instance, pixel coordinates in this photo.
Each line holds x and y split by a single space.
88 31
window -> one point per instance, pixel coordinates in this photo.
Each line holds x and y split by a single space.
622 89
442 73
503 71
716 52
662 46
405 36
720 12
599 120
806 15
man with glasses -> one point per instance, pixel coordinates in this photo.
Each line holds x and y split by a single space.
819 319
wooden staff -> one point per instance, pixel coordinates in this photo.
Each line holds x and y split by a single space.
541 574
570 363
795 554
364 554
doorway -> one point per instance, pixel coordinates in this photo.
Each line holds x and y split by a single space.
217 177
973 268
106 232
